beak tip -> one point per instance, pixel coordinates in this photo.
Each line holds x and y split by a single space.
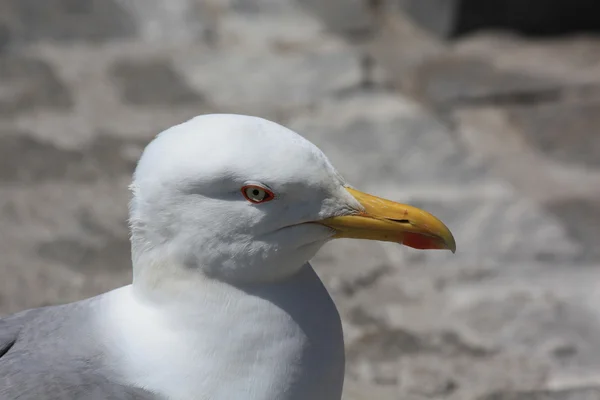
451 244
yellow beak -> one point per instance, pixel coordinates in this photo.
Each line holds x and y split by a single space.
389 221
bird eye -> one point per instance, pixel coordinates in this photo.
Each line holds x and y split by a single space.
257 194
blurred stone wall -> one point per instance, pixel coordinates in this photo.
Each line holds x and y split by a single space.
495 134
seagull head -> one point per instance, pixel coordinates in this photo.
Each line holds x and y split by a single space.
243 199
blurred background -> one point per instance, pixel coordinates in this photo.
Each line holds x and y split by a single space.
485 113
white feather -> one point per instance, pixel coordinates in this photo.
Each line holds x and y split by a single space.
224 304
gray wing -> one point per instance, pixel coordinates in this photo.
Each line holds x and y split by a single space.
50 354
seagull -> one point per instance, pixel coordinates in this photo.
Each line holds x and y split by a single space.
226 212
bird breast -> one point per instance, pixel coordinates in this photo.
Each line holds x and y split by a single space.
279 341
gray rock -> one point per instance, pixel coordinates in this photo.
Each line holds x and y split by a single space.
112 253
26 159
48 229
351 19
439 16
391 344
505 230
563 131
581 220
569 394
260 81
152 82
26 21
397 144
462 81
29 83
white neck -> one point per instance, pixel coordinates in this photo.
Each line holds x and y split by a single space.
208 339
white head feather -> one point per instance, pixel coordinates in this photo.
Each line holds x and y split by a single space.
188 208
